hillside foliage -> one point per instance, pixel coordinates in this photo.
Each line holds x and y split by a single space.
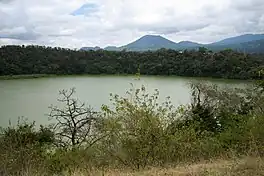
26 60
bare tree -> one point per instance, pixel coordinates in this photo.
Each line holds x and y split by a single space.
75 123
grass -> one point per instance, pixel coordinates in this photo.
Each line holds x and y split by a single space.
248 166
243 167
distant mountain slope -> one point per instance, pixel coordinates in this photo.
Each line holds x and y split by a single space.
247 47
90 48
250 43
240 39
251 47
112 48
188 44
150 42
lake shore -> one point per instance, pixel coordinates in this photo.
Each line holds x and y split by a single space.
8 77
35 76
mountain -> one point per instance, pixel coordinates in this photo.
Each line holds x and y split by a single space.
247 47
252 47
240 39
90 48
150 42
112 48
250 43
188 44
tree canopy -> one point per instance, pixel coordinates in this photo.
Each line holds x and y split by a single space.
24 60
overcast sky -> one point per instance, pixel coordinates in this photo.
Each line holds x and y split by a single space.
77 23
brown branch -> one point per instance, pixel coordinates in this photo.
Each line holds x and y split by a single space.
96 140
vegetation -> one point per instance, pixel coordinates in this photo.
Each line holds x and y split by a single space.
138 132
38 60
74 122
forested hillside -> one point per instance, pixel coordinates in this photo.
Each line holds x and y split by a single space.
22 60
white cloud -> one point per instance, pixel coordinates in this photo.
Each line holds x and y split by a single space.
118 22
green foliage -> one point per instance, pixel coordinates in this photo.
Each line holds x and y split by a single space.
202 50
24 60
140 122
148 133
202 112
24 134
23 148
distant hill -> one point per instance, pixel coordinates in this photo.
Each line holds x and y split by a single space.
252 47
90 48
112 48
149 42
250 43
240 39
188 44
154 42
247 47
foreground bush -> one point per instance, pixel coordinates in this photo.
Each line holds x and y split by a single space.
23 148
137 131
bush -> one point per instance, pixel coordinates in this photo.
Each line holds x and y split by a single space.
140 123
23 148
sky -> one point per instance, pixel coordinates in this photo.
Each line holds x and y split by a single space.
79 23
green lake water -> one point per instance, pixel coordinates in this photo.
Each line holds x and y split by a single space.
30 98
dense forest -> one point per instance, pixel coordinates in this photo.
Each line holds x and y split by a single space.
24 60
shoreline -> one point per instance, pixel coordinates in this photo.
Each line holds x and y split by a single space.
37 76
13 77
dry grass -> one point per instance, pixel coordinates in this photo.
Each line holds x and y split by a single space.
250 166
243 167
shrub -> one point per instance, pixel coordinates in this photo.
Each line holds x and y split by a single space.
23 148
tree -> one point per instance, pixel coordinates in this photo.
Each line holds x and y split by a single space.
203 111
203 50
75 123
17 60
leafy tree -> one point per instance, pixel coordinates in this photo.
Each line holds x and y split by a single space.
202 50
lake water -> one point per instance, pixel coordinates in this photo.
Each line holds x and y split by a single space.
30 98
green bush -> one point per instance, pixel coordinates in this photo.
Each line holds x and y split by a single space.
140 123
23 148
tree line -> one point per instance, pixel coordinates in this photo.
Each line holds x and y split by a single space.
25 60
